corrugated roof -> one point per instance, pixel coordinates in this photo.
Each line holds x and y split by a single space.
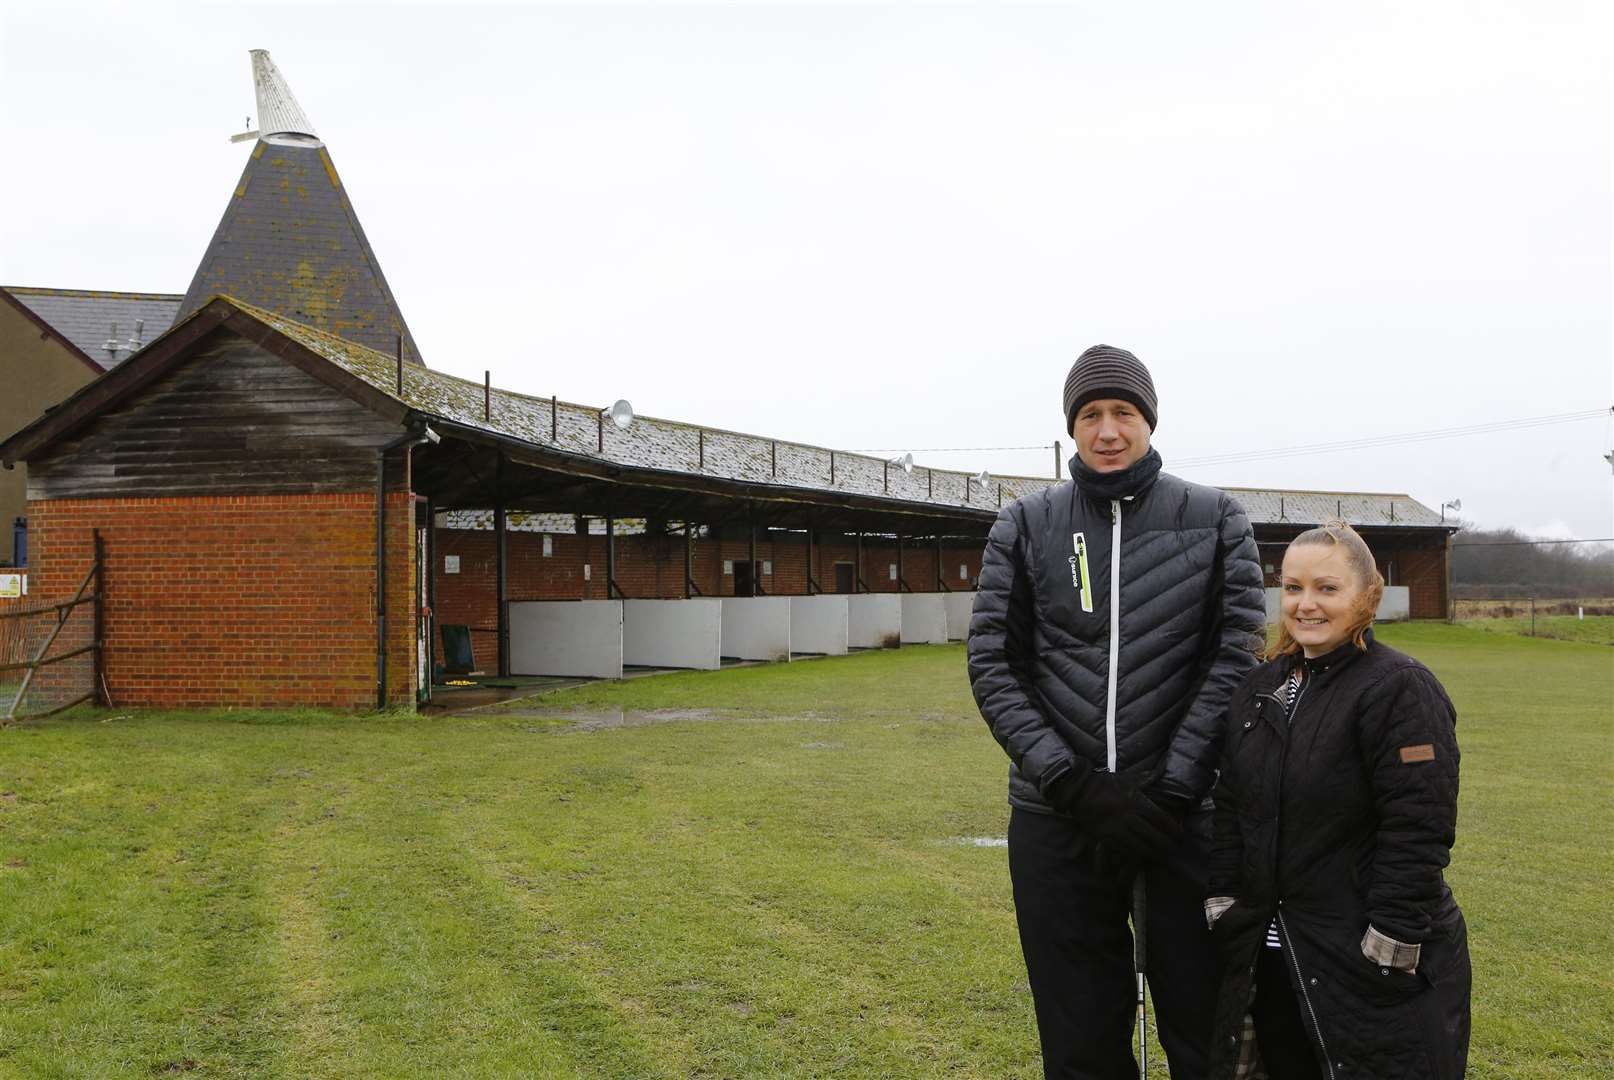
1358 508
86 317
667 444
522 521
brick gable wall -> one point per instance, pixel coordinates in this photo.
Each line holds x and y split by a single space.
238 601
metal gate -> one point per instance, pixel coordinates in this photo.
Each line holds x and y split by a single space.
51 656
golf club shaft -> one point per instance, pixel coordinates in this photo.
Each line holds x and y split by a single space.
1140 958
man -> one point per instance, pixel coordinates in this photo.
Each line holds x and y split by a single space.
1116 614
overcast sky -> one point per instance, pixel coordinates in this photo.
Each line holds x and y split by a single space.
895 227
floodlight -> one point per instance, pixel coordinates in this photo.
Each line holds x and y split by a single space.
905 462
620 413
983 478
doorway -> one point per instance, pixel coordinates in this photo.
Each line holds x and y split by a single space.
845 578
743 577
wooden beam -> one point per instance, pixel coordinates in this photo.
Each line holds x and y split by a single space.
501 568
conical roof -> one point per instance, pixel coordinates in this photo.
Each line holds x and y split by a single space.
289 241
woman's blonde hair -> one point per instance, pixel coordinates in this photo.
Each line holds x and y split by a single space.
1357 556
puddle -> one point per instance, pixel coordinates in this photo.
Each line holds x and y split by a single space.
613 719
585 721
979 841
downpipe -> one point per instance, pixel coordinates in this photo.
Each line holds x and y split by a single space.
410 439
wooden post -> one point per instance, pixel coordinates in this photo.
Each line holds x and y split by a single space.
812 586
487 395
756 570
430 580
611 590
99 689
689 558
501 569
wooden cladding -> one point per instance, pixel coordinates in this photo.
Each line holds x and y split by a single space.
234 419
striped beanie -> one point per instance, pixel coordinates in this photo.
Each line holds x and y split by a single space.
1107 372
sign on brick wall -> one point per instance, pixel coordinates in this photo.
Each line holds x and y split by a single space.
13 586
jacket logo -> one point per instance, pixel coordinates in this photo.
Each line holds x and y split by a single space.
1078 570
1421 752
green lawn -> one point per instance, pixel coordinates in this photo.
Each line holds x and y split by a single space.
772 882
1593 629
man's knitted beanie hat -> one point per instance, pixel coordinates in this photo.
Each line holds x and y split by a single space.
1107 372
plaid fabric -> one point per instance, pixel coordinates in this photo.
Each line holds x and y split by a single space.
1388 952
1247 1064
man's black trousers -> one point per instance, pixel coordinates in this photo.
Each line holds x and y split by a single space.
1072 907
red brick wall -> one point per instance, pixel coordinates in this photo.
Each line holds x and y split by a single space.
1422 569
238 600
653 567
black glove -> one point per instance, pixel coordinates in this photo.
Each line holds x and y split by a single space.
1122 817
1177 805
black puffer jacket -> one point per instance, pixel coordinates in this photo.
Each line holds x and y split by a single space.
1182 627
1343 816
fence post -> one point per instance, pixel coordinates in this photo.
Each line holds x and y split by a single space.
99 689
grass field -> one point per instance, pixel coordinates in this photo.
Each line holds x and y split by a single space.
758 872
1592 630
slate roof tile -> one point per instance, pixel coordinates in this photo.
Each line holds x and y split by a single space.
86 318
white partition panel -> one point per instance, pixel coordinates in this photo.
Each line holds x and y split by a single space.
874 620
959 605
566 637
819 624
756 627
672 633
1394 606
924 619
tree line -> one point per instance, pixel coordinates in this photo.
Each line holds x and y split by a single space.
1497 563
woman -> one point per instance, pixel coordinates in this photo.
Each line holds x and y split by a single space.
1345 955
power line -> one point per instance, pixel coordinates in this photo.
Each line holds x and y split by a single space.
1369 442
952 449
1530 543
1393 440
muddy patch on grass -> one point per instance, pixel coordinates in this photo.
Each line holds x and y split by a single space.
587 721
